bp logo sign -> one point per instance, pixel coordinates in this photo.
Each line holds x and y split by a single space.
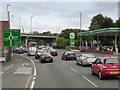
72 35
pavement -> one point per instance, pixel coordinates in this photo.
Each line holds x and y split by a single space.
17 73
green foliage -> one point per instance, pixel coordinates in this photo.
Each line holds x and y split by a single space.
65 33
61 41
108 22
99 22
118 23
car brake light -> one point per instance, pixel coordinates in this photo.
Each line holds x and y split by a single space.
85 59
50 56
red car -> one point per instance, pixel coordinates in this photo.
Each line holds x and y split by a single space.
106 67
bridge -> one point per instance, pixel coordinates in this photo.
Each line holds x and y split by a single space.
39 39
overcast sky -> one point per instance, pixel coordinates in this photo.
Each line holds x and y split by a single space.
56 16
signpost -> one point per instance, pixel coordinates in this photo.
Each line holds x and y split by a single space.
12 37
72 40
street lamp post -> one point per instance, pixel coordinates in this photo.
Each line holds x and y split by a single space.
8 13
31 24
80 28
8 49
19 22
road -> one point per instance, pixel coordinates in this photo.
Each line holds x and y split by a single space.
66 74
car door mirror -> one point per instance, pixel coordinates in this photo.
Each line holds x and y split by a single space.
93 62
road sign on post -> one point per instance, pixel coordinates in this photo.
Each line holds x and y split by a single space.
72 40
12 37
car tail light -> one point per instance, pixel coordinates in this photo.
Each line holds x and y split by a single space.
85 59
74 54
42 57
104 67
51 57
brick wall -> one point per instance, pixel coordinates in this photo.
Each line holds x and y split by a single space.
3 25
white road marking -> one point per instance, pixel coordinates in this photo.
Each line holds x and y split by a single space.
32 85
34 78
30 74
1 73
64 64
74 70
90 81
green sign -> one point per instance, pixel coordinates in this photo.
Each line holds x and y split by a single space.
72 40
72 35
12 37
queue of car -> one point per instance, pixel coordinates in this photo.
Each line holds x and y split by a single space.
43 53
101 66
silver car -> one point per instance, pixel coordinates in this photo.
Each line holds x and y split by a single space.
85 59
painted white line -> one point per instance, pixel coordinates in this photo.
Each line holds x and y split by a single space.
30 74
74 70
64 64
90 81
1 73
32 85
34 78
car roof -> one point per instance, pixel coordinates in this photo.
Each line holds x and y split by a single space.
88 54
70 52
103 58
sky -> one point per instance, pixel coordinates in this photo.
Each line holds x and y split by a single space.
55 16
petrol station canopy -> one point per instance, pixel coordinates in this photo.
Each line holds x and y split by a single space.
103 32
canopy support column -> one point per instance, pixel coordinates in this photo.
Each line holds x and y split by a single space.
116 48
97 42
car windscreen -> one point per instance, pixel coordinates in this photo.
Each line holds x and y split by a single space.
71 53
111 61
46 54
90 56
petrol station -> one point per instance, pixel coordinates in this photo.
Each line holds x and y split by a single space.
106 32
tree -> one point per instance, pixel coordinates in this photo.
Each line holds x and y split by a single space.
65 33
108 22
61 41
97 22
118 23
35 32
47 33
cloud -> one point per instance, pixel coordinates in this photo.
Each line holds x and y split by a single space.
48 15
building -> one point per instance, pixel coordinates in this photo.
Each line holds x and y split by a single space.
3 25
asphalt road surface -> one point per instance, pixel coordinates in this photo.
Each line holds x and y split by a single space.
67 74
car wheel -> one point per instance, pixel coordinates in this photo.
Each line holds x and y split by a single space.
51 61
82 64
77 63
62 58
92 71
41 60
100 76
65 58
75 58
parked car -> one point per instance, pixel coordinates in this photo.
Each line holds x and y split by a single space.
52 51
85 59
68 55
38 54
46 57
106 67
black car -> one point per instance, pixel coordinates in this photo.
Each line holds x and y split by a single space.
68 55
52 51
38 54
19 50
46 57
